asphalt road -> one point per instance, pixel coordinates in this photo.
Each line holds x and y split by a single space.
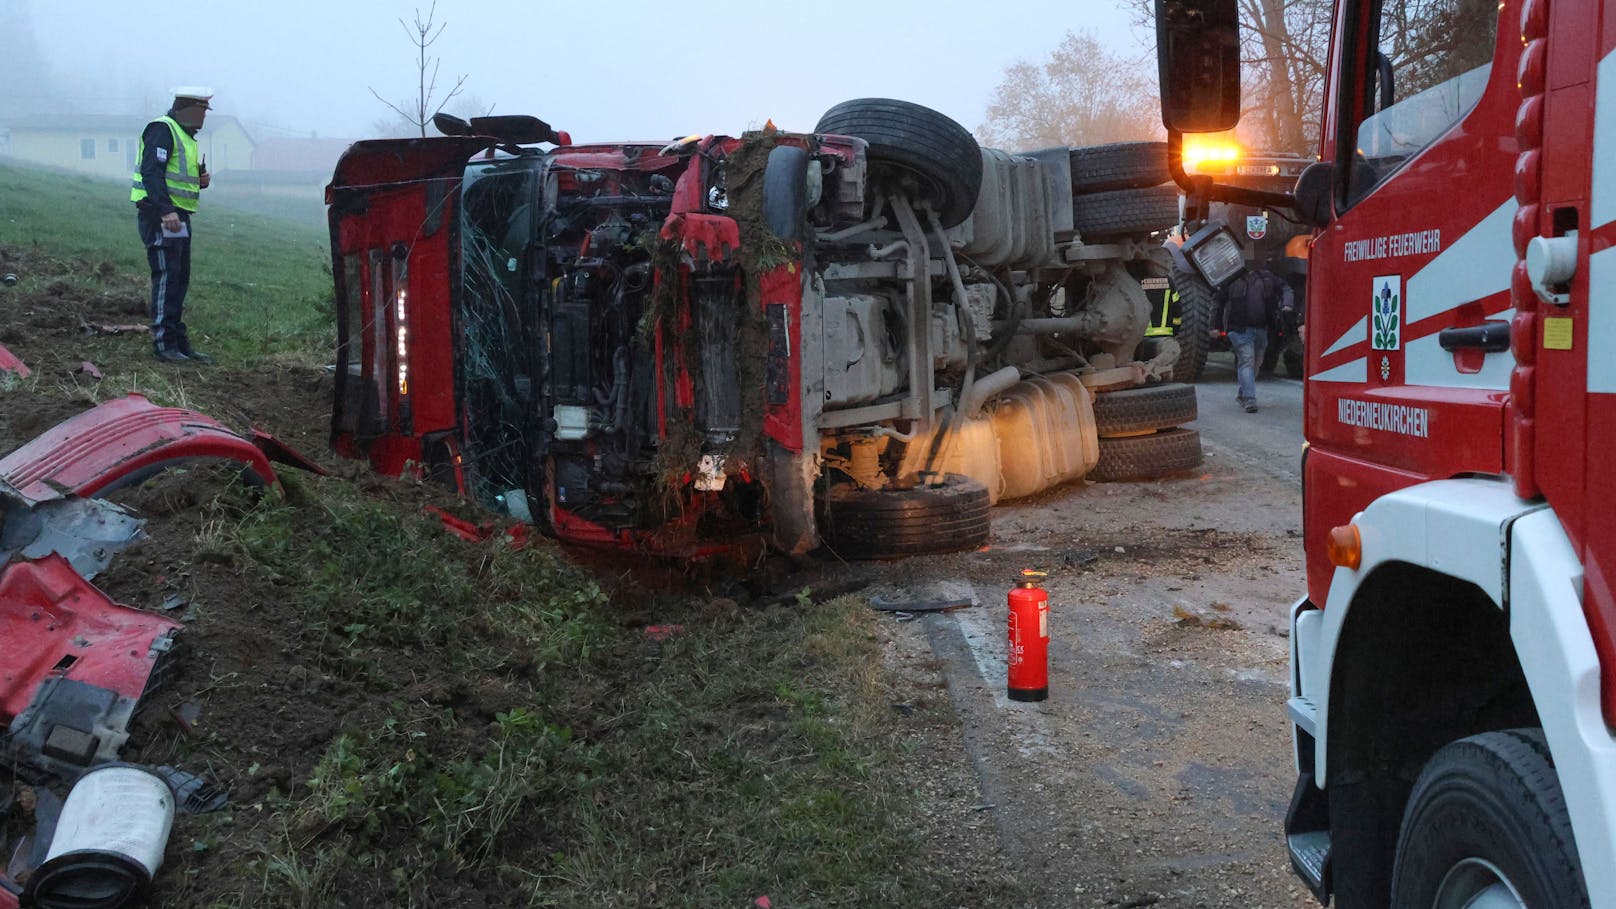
1158 771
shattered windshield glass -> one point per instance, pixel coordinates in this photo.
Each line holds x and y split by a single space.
498 357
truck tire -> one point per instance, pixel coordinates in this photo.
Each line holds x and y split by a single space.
860 523
1144 409
1487 816
1119 165
1125 212
1147 457
1193 333
919 141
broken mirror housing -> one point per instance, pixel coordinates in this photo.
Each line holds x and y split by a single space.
1215 253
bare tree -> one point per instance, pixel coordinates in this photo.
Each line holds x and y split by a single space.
423 34
1082 94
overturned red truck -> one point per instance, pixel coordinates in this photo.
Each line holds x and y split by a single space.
861 336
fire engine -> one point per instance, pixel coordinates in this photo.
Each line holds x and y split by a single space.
861 336
1453 658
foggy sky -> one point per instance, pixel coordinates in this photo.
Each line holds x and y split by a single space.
630 69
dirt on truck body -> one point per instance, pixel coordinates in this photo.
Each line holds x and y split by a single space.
860 337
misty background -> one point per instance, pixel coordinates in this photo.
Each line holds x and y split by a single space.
634 69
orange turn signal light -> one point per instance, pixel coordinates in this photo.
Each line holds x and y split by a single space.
1345 546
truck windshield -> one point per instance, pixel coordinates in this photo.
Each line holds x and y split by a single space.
499 217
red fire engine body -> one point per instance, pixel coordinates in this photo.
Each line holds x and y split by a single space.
1453 685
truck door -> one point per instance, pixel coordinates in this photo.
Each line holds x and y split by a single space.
1420 128
1567 194
393 228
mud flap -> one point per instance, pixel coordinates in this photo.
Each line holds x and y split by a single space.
790 479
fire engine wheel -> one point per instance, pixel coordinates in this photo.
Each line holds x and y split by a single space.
917 141
1120 165
1147 457
1195 313
887 523
1125 213
1144 409
1486 825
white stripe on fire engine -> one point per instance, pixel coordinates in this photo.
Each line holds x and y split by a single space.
1354 371
1601 317
1426 363
1357 334
1602 207
1475 266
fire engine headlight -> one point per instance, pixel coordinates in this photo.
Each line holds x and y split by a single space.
1215 253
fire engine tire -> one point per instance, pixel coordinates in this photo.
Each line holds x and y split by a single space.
1487 816
1144 409
888 523
920 141
1195 304
1125 213
1147 457
1120 165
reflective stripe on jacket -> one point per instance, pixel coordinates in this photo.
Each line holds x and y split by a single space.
184 174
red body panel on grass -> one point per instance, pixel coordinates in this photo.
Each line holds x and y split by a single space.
120 441
55 623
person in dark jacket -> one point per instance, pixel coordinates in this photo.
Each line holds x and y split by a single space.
165 191
1248 308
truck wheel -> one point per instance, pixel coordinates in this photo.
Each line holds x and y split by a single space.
1125 212
919 141
1195 321
1144 409
1486 824
887 523
1147 457
1120 165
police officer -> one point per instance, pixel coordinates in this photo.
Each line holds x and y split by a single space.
165 191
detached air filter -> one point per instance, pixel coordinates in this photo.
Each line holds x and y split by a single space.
109 842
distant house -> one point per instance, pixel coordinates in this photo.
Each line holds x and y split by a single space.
292 168
106 145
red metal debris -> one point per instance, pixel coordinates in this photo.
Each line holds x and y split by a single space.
10 363
121 441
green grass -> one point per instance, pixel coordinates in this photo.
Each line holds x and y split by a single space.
260 285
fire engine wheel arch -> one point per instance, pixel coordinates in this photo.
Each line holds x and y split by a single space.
919 141
858 523
1125 212
1487 816
1119 165
1147 457
1193 333
1144 409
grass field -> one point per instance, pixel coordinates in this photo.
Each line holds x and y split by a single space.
260 285
552 752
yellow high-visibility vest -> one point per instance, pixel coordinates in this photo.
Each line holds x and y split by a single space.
184 174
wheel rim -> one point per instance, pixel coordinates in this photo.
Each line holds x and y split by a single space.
1477 884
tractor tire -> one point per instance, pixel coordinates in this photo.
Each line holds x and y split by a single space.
1120 165
1147 457
1193 334
859 523
1125 213
1147 408
918 141
1486 824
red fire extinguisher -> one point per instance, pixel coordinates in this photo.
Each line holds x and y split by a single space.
1029 638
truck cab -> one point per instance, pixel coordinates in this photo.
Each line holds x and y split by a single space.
1453 672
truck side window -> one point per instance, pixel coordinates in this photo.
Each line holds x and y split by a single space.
1441 55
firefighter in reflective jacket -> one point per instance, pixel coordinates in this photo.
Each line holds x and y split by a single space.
165 191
